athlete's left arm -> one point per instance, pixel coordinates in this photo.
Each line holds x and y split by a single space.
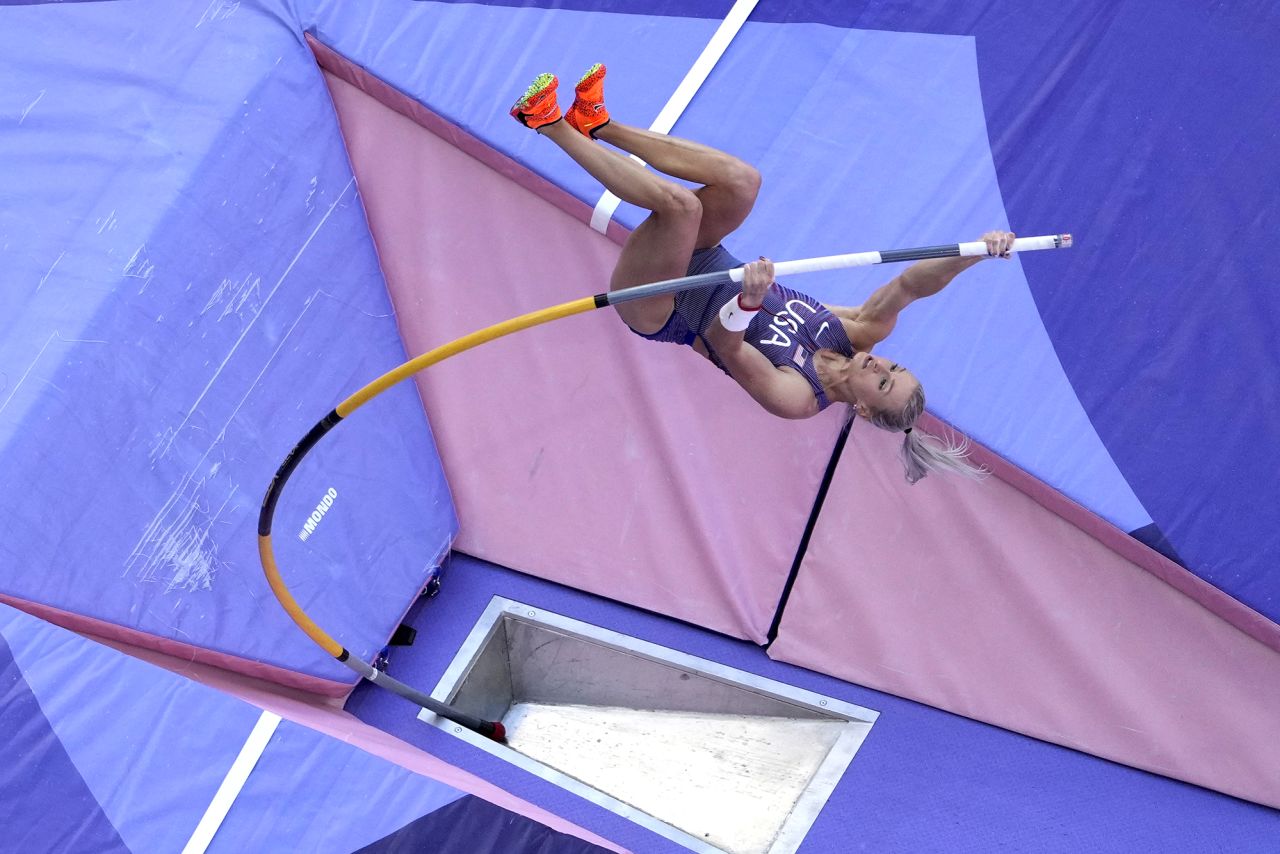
871 323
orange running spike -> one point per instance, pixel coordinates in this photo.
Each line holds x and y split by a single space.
588 113
537 107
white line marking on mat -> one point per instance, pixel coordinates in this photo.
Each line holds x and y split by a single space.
250 752
684 93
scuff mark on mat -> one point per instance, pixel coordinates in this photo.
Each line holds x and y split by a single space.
48 272
177 548
23 117
235 294
140 267
218 10
258 312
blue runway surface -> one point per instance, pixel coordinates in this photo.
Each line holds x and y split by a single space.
924 781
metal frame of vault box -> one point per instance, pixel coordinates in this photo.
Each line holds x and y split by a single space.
710 757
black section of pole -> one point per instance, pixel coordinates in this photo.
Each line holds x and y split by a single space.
667 286
892 255
315 434
489 729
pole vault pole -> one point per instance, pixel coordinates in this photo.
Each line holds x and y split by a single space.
494 729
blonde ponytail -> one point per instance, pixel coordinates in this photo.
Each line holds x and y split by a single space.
921 452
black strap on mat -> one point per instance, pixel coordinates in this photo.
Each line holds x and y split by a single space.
808 530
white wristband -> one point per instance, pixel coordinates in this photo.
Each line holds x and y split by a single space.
734 317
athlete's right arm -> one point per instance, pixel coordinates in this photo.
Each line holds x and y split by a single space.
782 393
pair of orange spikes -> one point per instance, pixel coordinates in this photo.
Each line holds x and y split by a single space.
538 107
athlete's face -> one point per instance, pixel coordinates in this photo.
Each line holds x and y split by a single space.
875 382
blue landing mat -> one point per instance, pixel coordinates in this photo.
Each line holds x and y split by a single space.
104 754
188 284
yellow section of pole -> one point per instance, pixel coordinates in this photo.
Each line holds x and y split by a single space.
372 390
466 342
291 607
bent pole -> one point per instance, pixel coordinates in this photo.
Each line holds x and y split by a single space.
839 262
494 729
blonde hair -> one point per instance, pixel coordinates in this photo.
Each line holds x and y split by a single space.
921 452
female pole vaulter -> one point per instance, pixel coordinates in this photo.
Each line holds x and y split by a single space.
792 354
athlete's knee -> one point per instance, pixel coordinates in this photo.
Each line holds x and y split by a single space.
743 180
680 203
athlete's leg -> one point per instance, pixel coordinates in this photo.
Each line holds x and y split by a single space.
729 184
661 246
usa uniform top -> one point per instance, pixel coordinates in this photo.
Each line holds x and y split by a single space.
789 328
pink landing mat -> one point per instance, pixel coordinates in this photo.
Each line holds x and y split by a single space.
974 598
328 717
577 451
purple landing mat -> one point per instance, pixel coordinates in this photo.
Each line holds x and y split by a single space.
470 825
924 781
45 805
188 285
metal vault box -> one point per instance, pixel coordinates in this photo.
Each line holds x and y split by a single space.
716 759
